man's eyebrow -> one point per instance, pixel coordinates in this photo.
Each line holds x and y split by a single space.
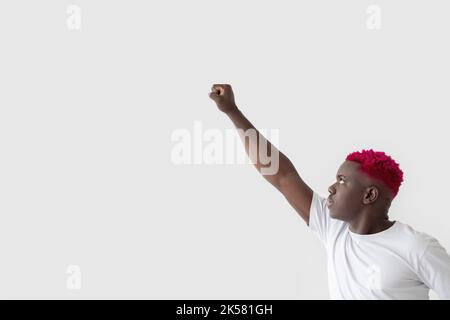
339 175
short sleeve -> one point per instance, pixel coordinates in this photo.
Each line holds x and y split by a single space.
434 269
319 218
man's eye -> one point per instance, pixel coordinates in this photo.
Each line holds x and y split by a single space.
341 181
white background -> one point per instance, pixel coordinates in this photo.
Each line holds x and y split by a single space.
86 117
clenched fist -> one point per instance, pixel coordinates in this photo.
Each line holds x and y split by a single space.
223 96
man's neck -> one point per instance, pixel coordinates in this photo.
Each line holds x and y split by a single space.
369 226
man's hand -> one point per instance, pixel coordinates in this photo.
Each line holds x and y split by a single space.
223 96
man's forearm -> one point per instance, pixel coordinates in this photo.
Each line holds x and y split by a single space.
254 142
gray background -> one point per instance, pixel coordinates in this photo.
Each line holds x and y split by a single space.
86 118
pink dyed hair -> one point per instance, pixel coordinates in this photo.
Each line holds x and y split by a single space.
379 165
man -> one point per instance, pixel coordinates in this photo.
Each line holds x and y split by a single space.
369 256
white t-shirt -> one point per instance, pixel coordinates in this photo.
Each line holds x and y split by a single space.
397 263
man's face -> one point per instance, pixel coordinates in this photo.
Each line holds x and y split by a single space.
346 194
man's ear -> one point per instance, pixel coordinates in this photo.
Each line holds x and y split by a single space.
371 195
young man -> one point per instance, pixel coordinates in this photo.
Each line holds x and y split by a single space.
369 256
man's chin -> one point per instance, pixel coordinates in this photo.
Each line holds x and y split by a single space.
333 214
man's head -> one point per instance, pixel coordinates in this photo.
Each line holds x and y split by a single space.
366 180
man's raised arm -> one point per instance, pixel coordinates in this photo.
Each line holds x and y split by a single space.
285 178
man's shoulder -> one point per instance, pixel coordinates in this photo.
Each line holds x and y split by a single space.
413 240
